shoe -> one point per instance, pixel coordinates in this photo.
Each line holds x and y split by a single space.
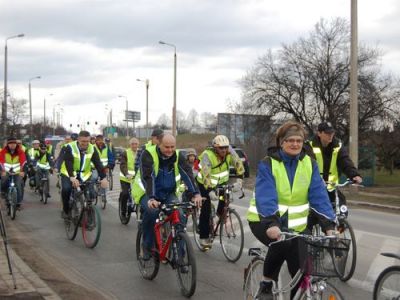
146 253
64 215
19 206
205 243
265 291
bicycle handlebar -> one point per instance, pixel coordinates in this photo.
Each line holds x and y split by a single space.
347 182
176 205
286 236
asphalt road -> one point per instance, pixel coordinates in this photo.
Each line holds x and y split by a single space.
111 268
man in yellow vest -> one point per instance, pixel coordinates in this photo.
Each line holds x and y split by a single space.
77 168
157 182
12 157
333 159
154 140
44 166
287 187
127 172
213 171
31 162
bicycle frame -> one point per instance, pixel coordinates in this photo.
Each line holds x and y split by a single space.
162 247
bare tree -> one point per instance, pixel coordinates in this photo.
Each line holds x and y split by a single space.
309 81
164 121
193 119
17 111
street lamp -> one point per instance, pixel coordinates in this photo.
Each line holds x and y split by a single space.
54 117
44 115
147 82
174 106
4 111
126 114
30 107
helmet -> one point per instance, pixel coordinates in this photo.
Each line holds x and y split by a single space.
35 142
220 141
74 136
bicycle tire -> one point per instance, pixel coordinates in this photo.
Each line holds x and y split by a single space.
232 244
96 192
103 200
75 215
91 226
383 288
253 277
123 218
13 202
186 264
110 179
148 269
45 191
195 228
346 231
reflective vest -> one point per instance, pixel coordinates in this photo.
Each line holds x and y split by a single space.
49 149
333 170
12 162
138 189
32 152
291 201
219 170
103 154
86 170
43 163
130 164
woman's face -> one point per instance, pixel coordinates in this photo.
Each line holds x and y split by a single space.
292 145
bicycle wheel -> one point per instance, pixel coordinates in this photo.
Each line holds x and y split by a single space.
91 226
110 178
346 267
196 231
103 199
253 277
45 191
387 285
186 264
124 217
13 202
74 218
231 236
96 192
148 268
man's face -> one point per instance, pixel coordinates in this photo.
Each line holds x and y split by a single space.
68 140
222 151
12 145
134 146
325 137
191 158
83 142
35 146
99 142
167 147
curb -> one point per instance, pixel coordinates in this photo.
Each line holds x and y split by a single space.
374 205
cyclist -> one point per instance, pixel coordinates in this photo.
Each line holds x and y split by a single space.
154 140
332 159
287 186
76 167
60 145
93 139
193 161
49 148
44 164
127 171
157 182
110 146
214 170
31 162
60 157
12 156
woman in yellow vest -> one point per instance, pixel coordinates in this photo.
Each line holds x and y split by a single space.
288 186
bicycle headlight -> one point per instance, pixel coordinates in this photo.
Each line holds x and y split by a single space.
343 208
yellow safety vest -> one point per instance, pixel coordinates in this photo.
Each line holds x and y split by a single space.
219 170
103 154
86 170
43 163
130 164
291 200
12 162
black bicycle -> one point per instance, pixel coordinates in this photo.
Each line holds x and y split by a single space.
44 187
83 213
387 285
131 207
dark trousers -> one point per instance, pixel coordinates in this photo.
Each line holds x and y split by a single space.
66 190
124 195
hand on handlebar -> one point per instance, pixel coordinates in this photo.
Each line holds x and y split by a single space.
357 179
75 182
274 233
197 199
153 203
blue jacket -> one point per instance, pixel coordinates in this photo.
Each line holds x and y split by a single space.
265 189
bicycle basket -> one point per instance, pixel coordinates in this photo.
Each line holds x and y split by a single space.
323 257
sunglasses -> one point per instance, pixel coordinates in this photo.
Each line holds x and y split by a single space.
223 148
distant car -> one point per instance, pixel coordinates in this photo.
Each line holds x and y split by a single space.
118 152
184 151
243 156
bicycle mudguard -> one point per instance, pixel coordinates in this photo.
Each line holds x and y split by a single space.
392 255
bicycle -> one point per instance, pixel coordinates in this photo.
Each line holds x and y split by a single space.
85 214
387 285
131 207
172 246
316 256
44 187
228 226
12 195
344 230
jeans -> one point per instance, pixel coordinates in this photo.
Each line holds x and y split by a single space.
66 190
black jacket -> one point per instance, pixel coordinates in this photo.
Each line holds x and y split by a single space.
344 163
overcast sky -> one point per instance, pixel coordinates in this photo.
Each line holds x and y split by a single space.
89 52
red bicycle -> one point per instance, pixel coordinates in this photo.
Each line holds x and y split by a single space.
172 246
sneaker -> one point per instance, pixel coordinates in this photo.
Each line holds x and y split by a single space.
265 291
205 243
146 253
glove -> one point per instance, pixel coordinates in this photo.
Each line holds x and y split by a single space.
213 196
237 186
129 176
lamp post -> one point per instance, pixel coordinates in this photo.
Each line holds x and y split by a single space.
147 82
174 106
126 115
4 111
30 107
44 116
54 117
